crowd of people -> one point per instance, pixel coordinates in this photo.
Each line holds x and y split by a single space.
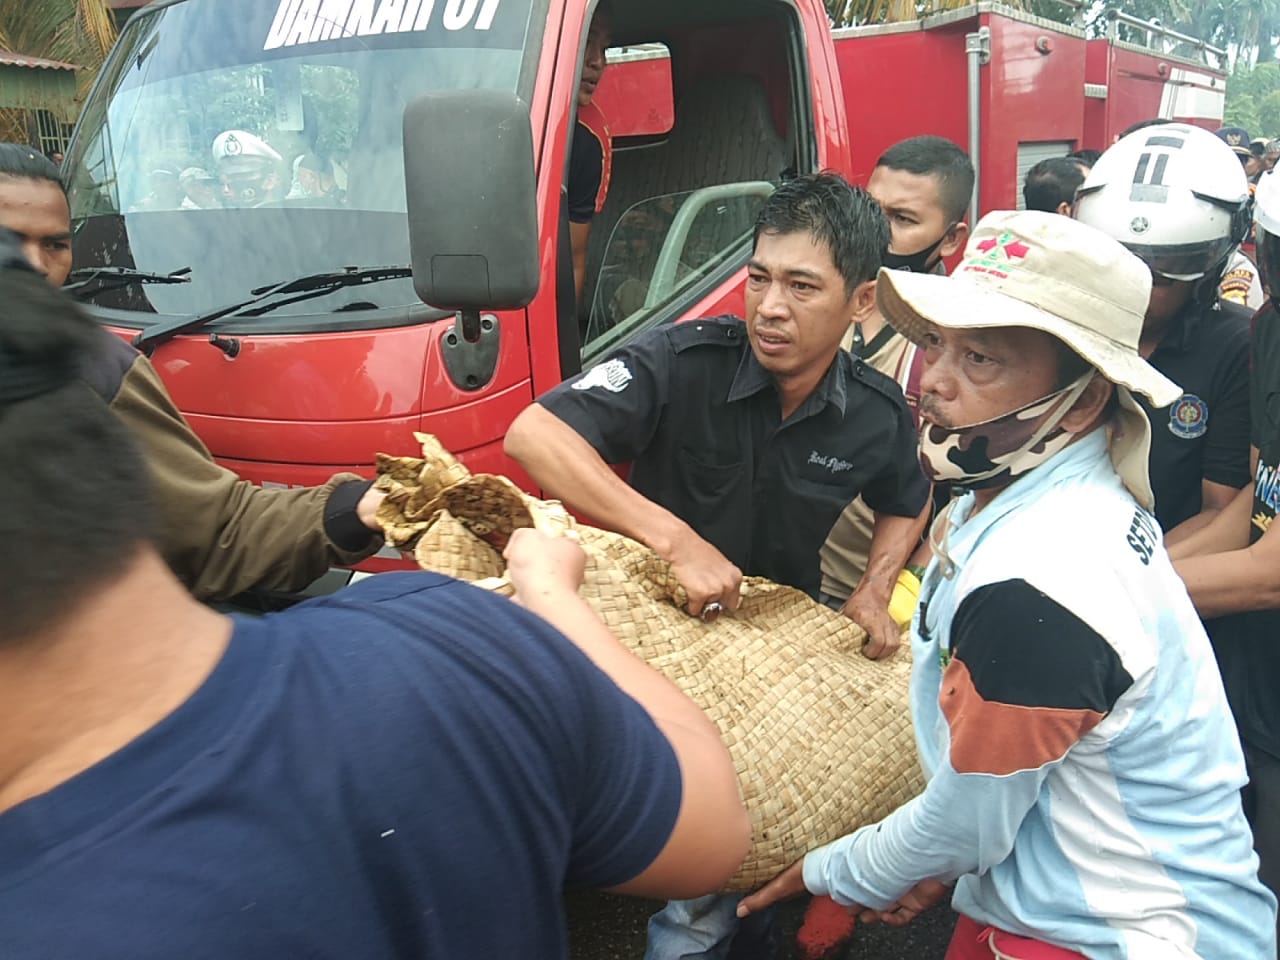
242 170
1066 450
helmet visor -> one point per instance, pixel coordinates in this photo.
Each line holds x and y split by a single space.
1184 261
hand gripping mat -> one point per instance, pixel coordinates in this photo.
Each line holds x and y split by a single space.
821 736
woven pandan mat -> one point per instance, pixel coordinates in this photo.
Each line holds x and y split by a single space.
820 736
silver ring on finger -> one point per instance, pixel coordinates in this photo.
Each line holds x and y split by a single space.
711 611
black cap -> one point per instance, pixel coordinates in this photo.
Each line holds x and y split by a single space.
1237 138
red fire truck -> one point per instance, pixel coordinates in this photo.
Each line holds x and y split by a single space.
289 331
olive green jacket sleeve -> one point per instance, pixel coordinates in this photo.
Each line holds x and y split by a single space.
222 535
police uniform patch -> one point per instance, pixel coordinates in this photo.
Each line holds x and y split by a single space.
1189 417
612 375
1235 286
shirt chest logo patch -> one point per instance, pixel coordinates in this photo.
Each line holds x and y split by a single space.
832 464
612 375
1189 417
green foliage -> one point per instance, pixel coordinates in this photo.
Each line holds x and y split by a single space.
1241 111
1247 29
1268 116
1253 98
73 31
334 95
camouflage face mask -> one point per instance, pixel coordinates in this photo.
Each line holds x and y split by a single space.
997 451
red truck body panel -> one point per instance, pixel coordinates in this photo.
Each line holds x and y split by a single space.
1140 85
291 409
914 102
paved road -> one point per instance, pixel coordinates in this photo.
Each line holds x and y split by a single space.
604 927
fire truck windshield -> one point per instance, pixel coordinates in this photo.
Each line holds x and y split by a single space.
261 139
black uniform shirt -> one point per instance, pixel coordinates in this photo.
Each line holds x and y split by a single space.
702 422
1204 434
1246 642
586 168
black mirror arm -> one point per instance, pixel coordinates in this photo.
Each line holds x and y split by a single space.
470 325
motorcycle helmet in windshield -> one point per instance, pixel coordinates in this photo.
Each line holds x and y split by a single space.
249 168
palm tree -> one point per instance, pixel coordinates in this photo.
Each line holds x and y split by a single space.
1251 25
73 31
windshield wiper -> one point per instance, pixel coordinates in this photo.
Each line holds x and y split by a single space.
113 278
315 285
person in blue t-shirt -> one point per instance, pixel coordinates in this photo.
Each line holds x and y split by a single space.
361 776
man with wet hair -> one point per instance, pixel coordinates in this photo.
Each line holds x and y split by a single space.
747 439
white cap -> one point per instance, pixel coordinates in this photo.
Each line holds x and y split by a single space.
238 151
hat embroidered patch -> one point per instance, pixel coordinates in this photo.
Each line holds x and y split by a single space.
1189 417
997 253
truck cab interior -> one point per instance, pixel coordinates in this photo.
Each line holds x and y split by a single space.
677 222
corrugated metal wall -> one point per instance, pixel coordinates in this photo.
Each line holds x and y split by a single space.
32 88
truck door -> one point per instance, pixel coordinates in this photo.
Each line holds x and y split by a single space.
732 117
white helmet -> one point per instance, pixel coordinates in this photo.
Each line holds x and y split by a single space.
1266 213
1266 203
1174 194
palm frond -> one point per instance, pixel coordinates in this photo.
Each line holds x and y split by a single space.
97 24
75 31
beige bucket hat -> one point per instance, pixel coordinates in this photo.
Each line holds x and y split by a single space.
1051 273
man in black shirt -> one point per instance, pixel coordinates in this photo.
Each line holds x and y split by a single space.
1200 444
1176 196
747 441
591 153
1232 566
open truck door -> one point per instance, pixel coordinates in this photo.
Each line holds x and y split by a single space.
297 345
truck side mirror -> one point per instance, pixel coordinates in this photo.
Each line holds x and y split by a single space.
473 220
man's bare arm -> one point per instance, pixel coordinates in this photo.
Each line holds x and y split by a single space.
1228 529
713 829
1214 498
893 539
1238 580
568 468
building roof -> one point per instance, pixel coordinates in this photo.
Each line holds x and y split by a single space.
126 4
8 59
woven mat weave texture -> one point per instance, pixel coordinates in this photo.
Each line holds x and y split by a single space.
821 736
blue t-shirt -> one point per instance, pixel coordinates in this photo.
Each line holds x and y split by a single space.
411 768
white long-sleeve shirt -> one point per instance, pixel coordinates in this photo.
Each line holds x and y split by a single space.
1084 769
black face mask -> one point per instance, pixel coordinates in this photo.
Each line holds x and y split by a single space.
917 262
